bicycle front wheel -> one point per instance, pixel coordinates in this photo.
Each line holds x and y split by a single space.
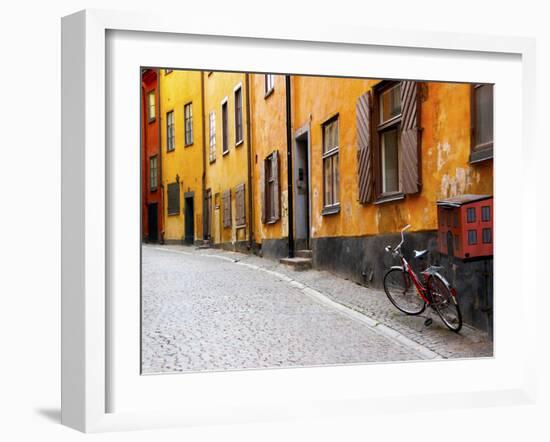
402 293
444 303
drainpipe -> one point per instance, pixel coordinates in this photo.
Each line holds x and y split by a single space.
290 195
249 153
203 177
161 185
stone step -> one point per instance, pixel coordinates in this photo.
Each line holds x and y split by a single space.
297 263
304 254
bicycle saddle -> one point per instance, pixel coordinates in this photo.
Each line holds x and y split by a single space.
420 253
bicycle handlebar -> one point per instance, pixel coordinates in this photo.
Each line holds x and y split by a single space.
395 250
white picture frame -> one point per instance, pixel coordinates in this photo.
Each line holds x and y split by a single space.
90 366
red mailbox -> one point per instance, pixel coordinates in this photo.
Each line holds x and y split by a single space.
465 226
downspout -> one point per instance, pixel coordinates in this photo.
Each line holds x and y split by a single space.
249 146
290 194
161 184
203 178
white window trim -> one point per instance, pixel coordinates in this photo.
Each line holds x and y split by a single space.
224 101
235 89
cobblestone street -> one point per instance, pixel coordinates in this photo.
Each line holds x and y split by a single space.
208 309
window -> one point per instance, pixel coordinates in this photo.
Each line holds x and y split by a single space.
173 198
389 134
471 215
151 106
212 137
167 71
269 83
331 170
188 123
270 190
170 131
396 136
486 236
486 213
153 173
482 122
472 237
225 129
238 116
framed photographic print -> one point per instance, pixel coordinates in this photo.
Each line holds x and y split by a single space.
271 224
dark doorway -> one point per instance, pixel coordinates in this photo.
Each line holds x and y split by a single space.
189 220
302 197
153 221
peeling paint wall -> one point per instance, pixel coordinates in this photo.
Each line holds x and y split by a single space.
268 122
445 150
178 88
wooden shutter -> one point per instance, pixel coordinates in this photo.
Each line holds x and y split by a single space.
263 209
365 170
276 192
410 137
240 216
226 201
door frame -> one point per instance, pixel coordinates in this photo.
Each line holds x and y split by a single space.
297 142
186 196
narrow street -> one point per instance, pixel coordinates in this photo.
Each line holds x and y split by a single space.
212 311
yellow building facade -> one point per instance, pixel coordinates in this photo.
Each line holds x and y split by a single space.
181 122
228 168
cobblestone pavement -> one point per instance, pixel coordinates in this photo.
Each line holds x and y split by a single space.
375 305
205 310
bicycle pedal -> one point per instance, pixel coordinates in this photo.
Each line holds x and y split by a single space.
428 322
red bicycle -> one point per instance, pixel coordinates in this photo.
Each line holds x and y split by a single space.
410 295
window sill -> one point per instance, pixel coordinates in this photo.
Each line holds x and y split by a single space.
241 226
477 156
239 143
331 210
170 150
174 214
224 153
212 161
153 190
269 93
151 120
271 221
188 145
390 197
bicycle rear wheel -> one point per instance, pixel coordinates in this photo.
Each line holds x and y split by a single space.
402 293
444 303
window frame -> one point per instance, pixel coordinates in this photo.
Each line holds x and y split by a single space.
225 125
186 106
170 136
155 187
239 130
269 84
151 119
484 151
270 188
379 128
212 136
330 154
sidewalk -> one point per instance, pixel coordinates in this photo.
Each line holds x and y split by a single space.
375 305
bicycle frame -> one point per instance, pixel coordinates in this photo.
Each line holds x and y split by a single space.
421 289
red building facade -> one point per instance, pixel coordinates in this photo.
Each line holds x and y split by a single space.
151 167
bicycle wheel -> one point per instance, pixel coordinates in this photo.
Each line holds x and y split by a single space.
402 293
444 303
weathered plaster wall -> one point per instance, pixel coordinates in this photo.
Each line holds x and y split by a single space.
178 88
445 149
268 122
231 169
